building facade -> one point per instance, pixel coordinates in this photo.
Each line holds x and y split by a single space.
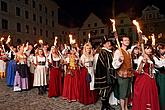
95 27
152 22
29 20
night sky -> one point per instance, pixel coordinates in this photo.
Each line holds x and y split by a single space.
74 12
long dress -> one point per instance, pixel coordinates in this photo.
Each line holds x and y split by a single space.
55 81
11 71
160 66
145 90
87 93
40 71
21 77
71 80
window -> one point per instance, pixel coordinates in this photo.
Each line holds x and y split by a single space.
95 24
26 14
52 23
46 10
41 19
84 33
34 17
3 6
18 11
18 27
121 21
41 32
89 25
34 4
4 24
52 13
46 33
26 1
34 30
150 16
40 7
46 21
27 29
102 31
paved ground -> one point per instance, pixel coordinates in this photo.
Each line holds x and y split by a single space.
30 100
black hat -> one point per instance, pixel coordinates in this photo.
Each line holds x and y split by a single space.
105 40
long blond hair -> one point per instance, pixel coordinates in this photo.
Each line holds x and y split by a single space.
84 50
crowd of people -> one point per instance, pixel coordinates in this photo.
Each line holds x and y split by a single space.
135 76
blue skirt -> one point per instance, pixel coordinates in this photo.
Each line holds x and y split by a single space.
11 70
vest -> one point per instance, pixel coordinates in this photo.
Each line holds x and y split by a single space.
125 69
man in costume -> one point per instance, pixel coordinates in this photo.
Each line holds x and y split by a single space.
105 75
123 64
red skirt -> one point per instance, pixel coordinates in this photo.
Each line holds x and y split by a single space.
71 86
55 83
145 93
86 96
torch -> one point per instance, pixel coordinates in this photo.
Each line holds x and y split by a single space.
8 39
153 40
41 43
70 38
115 33
144 38
89 36
25 48
2 44
55 40
139 34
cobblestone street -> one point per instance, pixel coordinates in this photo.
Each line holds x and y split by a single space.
30 100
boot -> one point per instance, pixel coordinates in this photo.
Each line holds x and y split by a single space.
39 91
106 105
103 107
43 90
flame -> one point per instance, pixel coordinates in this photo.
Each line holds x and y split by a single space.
8 39
113 25
144 38
40 41
89 36
72 41
55 40
26 48
65 46
153 39
2 39
137 26
35 45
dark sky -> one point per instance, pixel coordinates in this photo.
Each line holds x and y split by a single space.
74 12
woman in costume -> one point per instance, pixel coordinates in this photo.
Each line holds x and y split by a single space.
21 77
145 88
3 57
40 63
87 92
160 66
71 79
55 81
11 69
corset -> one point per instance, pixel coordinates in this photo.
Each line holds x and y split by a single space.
56 64
41 63
89 64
